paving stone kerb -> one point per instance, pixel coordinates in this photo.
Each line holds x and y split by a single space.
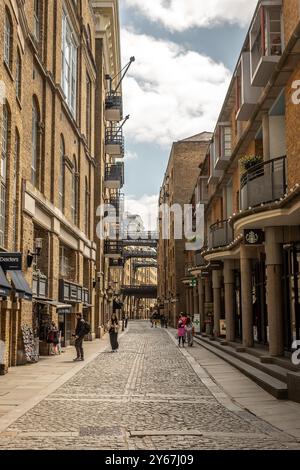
149 395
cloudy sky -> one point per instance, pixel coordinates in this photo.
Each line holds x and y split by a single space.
185 51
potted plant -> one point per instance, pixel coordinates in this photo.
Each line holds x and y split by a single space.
250 161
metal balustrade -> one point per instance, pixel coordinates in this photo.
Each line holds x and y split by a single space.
264 183
221 234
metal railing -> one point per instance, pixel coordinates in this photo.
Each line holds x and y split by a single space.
114 137
113 247
114 101
265 182
117 202
114 172
221 234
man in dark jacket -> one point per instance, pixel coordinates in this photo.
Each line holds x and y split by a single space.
79 337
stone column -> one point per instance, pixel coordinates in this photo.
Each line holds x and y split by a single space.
208 290
186 299
229 299
196 302
247 308
207 304
216 282
274 290
266 136
201 303
191 302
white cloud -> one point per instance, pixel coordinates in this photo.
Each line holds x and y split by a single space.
129 155
146 207
179 15
170 92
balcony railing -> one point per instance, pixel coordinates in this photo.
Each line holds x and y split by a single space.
116 263
117 202
114 175
114 142
265 182
221 234
113 248
113 107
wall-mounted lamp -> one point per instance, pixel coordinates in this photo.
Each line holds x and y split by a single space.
38 245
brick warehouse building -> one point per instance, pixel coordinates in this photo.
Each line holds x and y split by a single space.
248 270
53 66
179 182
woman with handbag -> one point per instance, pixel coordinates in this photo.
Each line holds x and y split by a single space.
113 329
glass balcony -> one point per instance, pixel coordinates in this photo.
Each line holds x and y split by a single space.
265 182
220 234
113 107
114 142
266 42
114 175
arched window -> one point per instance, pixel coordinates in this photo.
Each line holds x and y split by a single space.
87 208
18 75
35 144
15 189
89 35
6 120
61 189
8 39
74 193
37 19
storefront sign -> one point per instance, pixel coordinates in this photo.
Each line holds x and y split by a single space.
254 236
197 323
70 292
11 261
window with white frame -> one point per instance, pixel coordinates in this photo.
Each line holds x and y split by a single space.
35 144
87 208
266 34
15 188
74 193
8 46
61 189
4 156
69 64
36 16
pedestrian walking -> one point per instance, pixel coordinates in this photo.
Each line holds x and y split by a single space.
181 333
113 329
189 329
162 320
52 338
82 329
166 322
126 320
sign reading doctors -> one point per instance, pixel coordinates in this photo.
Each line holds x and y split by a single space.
11 261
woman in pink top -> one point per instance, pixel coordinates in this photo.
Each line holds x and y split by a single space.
181 333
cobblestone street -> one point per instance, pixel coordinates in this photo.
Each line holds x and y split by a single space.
151 395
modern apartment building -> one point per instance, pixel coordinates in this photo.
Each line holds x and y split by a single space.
248 269
55 154
179 182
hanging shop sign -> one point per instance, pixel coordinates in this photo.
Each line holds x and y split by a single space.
11 261
70 292
254 237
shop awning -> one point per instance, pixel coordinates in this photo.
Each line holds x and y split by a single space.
20 285
66 308
87 305
5 287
